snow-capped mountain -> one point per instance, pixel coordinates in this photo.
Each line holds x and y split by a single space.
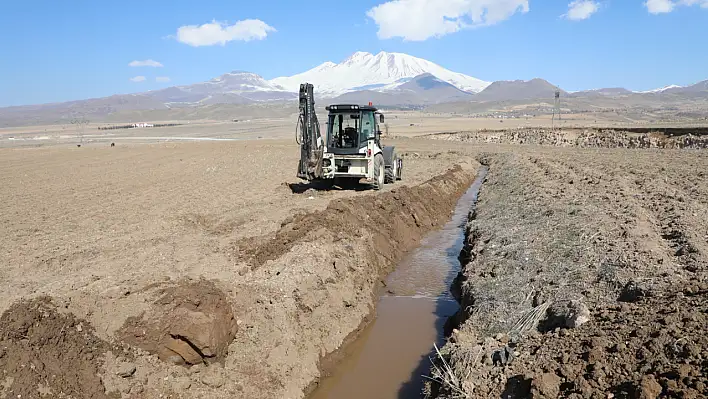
661 89
383 71
233 87
240 82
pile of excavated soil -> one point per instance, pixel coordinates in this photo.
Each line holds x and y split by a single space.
585 275
190 323
47 353
397 220
316 280
585 138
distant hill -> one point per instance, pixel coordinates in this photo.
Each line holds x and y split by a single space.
611 91
421 90
518 90
699 87
432 90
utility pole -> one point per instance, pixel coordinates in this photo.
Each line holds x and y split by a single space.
556 108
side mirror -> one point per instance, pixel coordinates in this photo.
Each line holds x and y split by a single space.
381 118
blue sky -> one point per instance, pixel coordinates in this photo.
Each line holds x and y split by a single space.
66 50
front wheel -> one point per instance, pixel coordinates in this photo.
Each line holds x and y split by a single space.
379 171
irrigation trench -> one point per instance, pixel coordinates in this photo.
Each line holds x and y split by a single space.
391 355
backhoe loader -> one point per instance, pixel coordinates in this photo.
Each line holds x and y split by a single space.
351 147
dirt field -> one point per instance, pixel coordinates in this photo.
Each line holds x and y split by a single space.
139 251
585 276
203 270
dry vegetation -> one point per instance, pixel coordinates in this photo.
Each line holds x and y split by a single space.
585 276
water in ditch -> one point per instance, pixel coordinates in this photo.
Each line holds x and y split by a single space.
390 357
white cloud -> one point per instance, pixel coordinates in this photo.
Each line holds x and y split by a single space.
213 33
666 6
162 79
579 10
659 6
138 79
145 63
417 20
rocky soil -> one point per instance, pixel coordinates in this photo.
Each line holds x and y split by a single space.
584 276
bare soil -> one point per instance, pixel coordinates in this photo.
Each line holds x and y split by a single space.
584 276
205 270
218 278
48 353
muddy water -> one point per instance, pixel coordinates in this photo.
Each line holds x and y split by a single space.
391 355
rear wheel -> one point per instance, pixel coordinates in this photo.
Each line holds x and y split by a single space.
379 167
392 168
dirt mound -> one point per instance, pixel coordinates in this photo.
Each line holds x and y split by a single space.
594 138
44 353
190 323
398 219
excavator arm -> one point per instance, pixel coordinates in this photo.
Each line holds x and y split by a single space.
309 136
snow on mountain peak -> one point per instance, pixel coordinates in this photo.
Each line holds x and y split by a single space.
661 89
363 70
240 81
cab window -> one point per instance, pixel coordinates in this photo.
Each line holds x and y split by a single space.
368 126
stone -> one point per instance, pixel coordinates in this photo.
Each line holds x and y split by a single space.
212 380
567 314
182 383
503 356
183 349
126 370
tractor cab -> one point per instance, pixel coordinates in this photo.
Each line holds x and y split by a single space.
353 129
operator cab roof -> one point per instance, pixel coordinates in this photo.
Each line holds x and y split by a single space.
349 107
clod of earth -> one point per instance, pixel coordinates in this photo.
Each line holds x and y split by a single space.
546 385
633 291
191 323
